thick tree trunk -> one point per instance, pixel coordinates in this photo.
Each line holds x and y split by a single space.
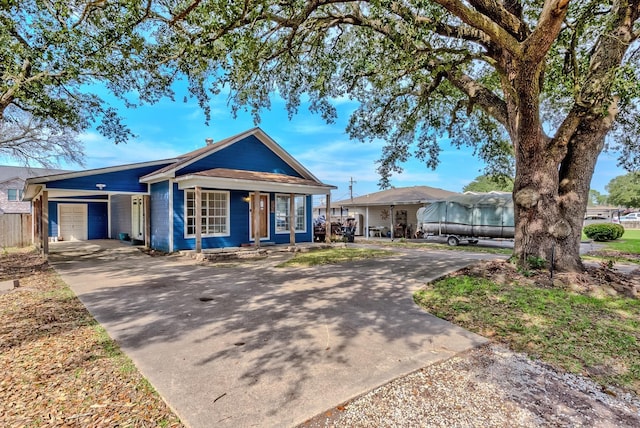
550 202
548 223
576 172
542 230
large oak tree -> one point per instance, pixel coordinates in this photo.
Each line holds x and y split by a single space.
542 81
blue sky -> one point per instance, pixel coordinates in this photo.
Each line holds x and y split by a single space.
170 128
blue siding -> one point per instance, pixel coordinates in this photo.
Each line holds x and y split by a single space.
119 181
54 225
249 154
239 224
97 221
160 216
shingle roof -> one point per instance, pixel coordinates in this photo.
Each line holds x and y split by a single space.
23 172
397 196
255 176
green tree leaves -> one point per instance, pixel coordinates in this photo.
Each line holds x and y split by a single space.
489 183
625 190
52 54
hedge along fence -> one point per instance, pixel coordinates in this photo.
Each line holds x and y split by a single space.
631 224
15 230
604 231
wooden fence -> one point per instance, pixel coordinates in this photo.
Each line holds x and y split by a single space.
15 230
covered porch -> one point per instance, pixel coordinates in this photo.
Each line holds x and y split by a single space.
274 200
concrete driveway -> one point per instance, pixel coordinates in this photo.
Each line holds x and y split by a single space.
254 345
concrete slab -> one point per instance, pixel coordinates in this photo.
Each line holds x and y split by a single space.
7 285
256 345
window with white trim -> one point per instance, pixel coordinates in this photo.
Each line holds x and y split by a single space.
283 216
14 194
215 213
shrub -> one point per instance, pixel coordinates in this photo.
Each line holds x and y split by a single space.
604 231
620 230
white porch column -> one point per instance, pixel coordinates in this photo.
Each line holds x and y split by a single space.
198 219
327 228
391 217
292 219
256 219
366 222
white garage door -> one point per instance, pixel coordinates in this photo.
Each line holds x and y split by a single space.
73 222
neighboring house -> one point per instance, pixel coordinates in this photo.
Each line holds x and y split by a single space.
337 213
378 213
12 180
600 213
236 189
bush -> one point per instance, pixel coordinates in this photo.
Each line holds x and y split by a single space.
604 231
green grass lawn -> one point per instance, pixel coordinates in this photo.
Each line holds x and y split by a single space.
626 249
598 337
628 243
333 255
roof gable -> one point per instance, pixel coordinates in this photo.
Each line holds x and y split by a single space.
252 150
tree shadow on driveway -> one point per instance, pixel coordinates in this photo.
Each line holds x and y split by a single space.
251 344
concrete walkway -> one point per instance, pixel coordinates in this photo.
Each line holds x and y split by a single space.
254 345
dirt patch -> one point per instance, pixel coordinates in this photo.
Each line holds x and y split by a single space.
596 280
57 368
18 265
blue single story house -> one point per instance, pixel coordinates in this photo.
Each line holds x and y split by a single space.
235 189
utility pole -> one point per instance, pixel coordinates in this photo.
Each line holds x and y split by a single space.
351 183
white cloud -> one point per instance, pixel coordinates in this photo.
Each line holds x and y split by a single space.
314 128
100 152
344 99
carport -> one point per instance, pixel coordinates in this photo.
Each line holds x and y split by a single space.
63 214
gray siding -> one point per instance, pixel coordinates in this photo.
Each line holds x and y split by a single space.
120 215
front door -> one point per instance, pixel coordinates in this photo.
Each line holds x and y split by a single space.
72 220
137 217
263 212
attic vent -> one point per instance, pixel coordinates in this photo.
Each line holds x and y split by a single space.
209 141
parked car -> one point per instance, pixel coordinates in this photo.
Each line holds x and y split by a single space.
595 217
630 217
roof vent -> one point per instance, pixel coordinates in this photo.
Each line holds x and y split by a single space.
209 141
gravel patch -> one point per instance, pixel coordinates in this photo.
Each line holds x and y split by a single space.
490 386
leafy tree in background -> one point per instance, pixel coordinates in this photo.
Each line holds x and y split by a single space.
541 82
51 54
596 198
625 190
489 183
